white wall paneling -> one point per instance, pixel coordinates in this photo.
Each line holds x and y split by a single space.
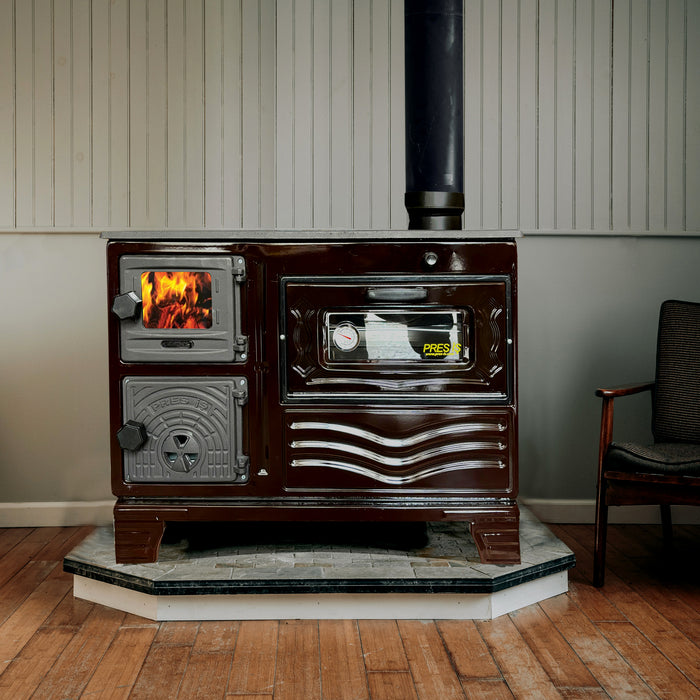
289 114
600 139
691 116
7 114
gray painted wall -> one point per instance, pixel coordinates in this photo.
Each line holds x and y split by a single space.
588 311
588 319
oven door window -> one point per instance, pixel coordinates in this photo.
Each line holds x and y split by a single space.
396 336
176 299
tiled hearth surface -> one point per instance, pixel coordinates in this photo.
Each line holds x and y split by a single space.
294 570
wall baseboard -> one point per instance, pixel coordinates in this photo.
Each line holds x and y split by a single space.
583 511
73 513
56 514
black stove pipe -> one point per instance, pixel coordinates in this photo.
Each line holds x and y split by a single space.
434 52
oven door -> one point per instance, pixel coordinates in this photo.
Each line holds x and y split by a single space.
388 338
180 309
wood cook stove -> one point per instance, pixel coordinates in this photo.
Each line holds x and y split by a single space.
322 376
312 377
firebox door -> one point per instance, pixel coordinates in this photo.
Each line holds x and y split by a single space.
183 429
181 309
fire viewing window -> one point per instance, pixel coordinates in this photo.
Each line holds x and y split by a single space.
176 299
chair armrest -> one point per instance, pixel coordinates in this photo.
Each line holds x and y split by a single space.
624 390
606 418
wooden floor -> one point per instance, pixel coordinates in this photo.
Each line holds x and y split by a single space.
639 637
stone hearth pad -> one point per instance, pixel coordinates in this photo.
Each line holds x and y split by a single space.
296 570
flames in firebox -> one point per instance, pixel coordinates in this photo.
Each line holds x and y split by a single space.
176 299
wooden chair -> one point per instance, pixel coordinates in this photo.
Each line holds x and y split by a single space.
668 471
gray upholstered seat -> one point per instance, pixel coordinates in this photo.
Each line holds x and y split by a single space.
660 458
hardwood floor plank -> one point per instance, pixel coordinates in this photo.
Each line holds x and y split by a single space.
650 578
688 593
690 628
24 551
162 672
177 632
215 636
24 674
553 652
431 668
638 637
343 675
613 673
664 600
391 685
593 602
65 541
78 661
41 536
487 689
71 612
206 676
382 647
20 586
653 667
138 621
468 651
10 537
653 580
122 662
667 638
254 658
520 667
21 626
574 537
209 667
627 539
115 694
580 539
298 673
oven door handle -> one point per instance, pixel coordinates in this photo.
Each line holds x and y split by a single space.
402 294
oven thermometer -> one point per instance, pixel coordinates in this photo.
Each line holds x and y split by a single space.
346 337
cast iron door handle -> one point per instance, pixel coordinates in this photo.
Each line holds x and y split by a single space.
401 294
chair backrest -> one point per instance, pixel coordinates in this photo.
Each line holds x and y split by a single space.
677 397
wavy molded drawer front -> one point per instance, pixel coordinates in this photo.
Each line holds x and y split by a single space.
413 451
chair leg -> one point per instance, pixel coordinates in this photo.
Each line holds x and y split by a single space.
601 534
666 524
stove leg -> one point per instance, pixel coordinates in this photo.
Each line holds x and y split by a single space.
137 542
497 538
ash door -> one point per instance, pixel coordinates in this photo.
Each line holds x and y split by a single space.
183 430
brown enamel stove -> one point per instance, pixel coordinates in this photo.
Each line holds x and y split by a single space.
254 377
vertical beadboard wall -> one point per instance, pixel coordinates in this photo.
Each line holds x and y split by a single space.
289 114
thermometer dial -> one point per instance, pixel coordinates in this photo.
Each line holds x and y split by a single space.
346 337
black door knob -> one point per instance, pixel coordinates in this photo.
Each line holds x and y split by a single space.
126 306
132 435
